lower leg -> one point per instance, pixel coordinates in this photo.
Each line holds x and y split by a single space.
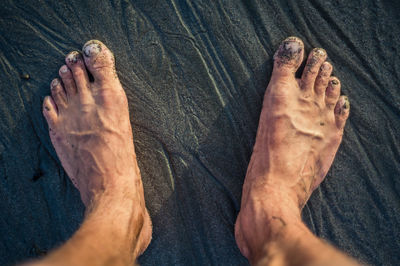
296 245
277 236
109 235
300 129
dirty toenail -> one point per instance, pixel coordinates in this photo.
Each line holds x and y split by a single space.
343 105
335 82
289 49
73 57
54 83
47 108
91 48
325 66
319 52
346 104
64 69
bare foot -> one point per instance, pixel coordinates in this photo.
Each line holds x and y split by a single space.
91 132
300 129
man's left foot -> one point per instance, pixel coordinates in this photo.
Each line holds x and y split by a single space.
299 132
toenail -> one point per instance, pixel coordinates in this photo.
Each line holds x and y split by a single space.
346 104
64 69
319 52
342 106
74 57
325 66
334 82
55 82
91 48
289 49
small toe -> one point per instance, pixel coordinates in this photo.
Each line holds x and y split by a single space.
332 92
58 94
68 80
288 57
323 78
50 111
99 60
342 110
74 61
316 58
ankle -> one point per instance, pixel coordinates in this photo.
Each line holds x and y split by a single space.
267 214
282 241
277 202
111 190
126 217
133 207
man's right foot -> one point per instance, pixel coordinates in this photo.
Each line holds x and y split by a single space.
92 135
300 129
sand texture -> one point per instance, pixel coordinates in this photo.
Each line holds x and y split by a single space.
195 73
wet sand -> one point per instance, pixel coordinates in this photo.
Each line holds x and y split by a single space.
195 73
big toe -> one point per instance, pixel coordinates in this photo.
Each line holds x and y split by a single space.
99 60
288 57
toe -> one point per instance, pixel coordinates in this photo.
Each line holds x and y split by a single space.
50 111
332 92
323 78
288 57
316 58
75 63
342 110
58 94
68 80
99 60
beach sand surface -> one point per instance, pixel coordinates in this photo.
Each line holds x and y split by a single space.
195 73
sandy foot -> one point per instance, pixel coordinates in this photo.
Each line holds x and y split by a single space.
91 132
300 129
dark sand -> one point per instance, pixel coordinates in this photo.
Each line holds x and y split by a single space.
195 75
